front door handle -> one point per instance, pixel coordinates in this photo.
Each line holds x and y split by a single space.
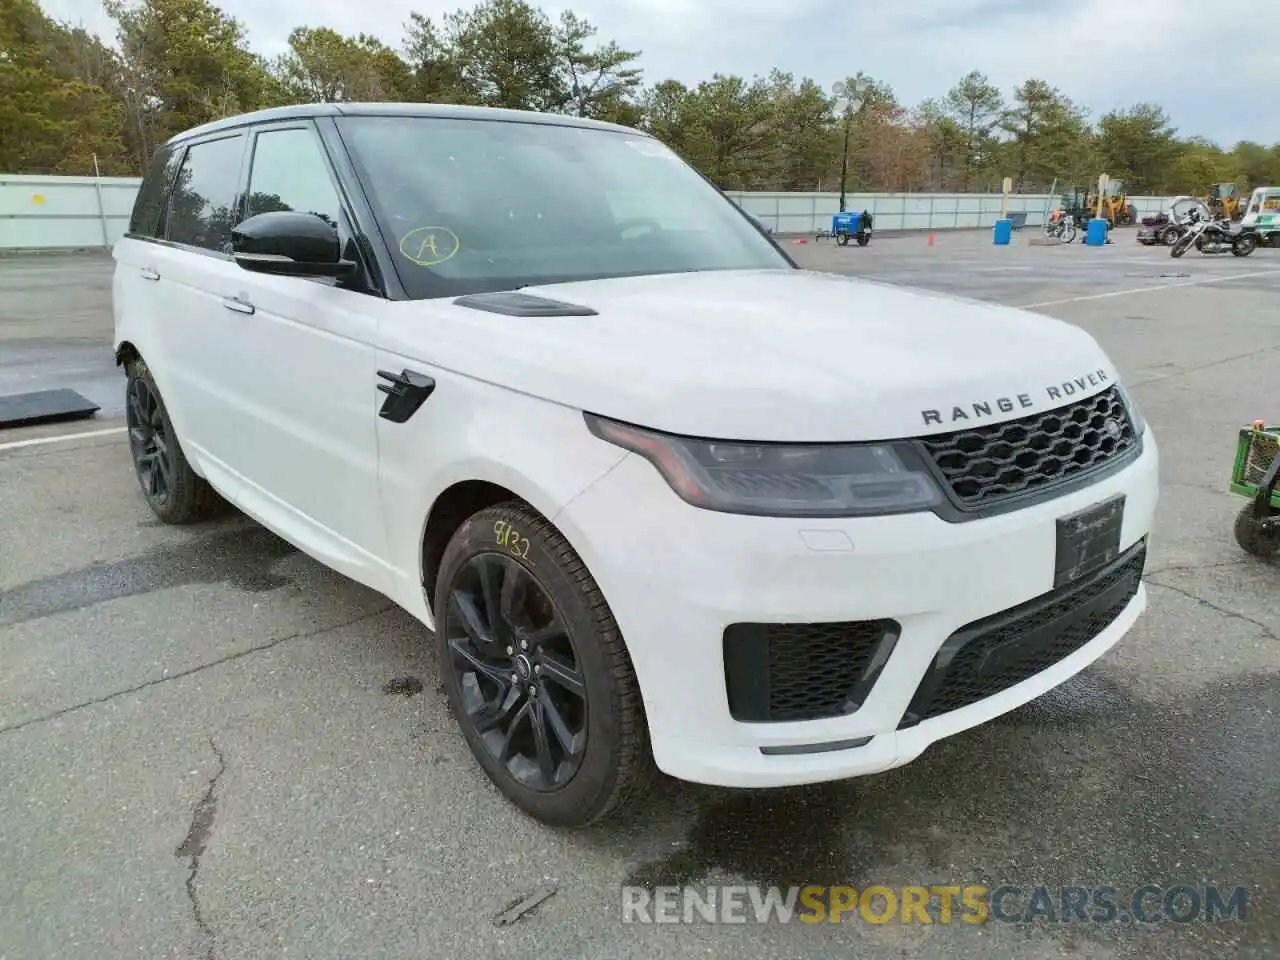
238 305
149 274
406 392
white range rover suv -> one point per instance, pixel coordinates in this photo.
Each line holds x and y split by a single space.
665 499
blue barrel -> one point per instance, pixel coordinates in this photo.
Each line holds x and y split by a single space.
1003 232
1095 234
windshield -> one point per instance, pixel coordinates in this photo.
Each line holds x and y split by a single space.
469 206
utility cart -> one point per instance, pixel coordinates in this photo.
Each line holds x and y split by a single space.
1253 477
846 226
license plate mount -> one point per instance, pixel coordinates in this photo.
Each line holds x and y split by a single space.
1088 539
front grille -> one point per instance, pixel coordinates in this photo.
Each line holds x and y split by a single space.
1000 651
780 672
994 462
1261 454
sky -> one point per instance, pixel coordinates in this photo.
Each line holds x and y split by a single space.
1204 61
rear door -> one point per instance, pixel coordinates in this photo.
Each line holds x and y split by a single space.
193 261
293 364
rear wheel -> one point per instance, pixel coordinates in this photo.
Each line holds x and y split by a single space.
1243 246
1258 536
536 671
174 492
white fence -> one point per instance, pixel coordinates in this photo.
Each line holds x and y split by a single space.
49 213
43 213
807 213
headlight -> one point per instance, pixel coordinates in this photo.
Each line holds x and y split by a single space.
781 479
1131 405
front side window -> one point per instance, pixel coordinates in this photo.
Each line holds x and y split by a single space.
470 206
147 219
290 172
202 207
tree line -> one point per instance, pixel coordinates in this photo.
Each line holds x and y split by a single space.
68 97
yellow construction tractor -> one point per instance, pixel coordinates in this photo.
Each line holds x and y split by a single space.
1115 205
1223 200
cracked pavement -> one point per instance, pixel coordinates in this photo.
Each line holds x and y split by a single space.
212 747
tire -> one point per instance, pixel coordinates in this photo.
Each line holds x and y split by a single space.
173 491
1169 236
1243 246
842 239
1069 233
864 239
1255 537
600 760
1180 246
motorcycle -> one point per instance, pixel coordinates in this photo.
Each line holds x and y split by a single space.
1214 237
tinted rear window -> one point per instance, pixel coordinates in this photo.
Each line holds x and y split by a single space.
148 206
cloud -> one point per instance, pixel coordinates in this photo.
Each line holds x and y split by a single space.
1194 57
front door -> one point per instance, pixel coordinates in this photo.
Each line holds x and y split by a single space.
301 379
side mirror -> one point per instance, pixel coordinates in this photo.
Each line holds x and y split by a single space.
291 244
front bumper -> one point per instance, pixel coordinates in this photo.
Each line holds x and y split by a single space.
676 577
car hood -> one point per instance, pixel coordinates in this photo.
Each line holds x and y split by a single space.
765 355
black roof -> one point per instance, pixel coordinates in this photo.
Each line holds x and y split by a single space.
437 110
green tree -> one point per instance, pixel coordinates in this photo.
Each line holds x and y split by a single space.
802 137
186 62
54 117
1258 165
976 107
601 82
1140 146
1048 132
505 54
324 66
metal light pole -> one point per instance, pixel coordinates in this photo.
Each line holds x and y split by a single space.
849 101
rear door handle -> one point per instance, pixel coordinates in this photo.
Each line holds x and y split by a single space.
238 305
149 274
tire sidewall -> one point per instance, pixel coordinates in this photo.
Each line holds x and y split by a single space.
591 784
138 371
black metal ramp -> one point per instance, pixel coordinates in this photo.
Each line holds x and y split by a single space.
44 406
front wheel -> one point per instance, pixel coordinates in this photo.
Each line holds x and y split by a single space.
1068 234
1259 537
536 671
1180 246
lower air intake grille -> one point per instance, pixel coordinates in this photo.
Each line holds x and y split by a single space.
779 672
1000 651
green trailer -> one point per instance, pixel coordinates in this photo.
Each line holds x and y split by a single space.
1254 477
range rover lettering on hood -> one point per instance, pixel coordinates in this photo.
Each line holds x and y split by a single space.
980 409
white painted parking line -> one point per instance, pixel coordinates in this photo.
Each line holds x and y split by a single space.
1164 286
61 438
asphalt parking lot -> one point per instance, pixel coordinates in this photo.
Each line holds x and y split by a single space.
211 746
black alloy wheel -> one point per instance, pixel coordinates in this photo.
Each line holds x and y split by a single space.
518 671
149 442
